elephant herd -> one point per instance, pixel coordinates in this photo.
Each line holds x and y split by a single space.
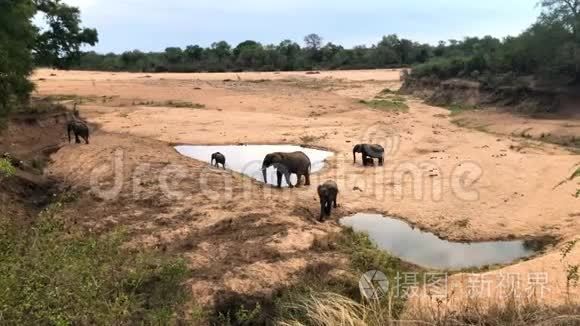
298 163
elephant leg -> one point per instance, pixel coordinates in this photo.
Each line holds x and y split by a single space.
86 140
322 209
77 139
381 161
334 200
307 177
298 178
287 176
328 206
279 178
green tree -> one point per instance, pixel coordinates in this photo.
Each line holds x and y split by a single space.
193 52
313 44
566 12
16 42
288 55
59 45
249 54
173 55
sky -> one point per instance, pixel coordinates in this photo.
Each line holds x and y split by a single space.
153 25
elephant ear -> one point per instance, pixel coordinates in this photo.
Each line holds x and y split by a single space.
276 158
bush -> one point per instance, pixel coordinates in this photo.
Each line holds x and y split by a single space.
50 274
442 68
6 168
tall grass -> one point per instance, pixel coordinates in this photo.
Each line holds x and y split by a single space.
327 309
51 274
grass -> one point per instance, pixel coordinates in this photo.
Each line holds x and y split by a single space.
297 302
54 274
171 103
457 108
387 104
334 309
325 307
6 168
318 277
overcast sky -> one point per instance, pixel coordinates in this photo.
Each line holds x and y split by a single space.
153 25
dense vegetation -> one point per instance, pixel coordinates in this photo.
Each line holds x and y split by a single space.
52 274
251 55
22 44
548 50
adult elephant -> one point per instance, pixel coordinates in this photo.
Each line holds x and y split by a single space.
79 128
286 164
369 150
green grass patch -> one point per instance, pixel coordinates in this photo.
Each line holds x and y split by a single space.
386 105
457 108
6 168
54 275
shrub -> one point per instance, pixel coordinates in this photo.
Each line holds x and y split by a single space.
6 168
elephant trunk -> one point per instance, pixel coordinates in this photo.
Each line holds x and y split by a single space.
354 156
264 173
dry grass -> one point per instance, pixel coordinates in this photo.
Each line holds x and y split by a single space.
334 309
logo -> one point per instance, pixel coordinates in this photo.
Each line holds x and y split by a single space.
373 285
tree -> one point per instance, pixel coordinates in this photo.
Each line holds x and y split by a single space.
288 54
193 52
59 46
249 54
173 55
566 12
313 44
313 41
21 42
134 60
16 42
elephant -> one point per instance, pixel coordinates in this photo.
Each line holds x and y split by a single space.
327 193
79 128
219 159
286 164
369 150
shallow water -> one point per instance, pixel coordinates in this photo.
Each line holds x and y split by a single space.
426 249
247 159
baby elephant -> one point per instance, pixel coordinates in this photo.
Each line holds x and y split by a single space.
219 159
368 161
327 193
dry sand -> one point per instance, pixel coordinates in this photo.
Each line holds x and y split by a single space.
459 183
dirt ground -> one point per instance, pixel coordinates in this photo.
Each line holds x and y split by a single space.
240 236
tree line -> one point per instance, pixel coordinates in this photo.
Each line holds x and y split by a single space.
250 55
548 49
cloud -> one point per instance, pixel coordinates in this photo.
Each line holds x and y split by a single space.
153 25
